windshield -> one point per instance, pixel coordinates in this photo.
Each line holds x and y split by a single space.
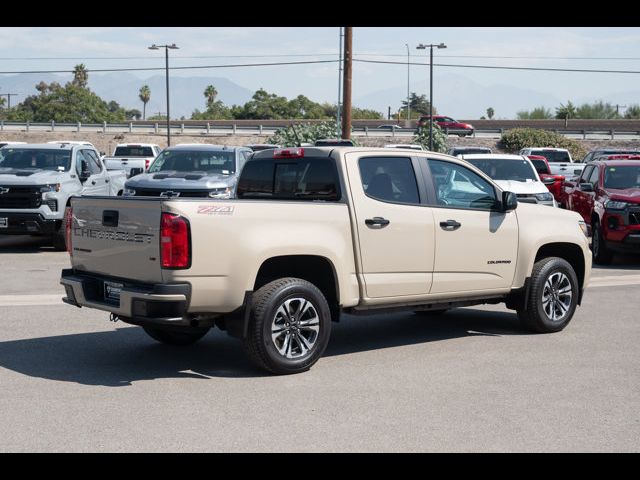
219 161
622 177
500 169
134 151
33 159
552 155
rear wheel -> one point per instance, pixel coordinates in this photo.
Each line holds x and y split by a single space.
601 254
175 336
289 327
553 296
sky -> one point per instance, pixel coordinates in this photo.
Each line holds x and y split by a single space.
41 48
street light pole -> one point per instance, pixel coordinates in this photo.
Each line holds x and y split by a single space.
408 124
423 47
166 52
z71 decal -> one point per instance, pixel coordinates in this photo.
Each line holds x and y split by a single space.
215 209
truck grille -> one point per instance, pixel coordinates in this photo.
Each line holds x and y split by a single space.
148 192
634 217
20 197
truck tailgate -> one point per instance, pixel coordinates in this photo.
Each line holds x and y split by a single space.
118 237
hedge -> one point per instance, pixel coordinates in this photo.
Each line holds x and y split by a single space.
518 138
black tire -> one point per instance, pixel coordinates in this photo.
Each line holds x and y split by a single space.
59 239
272 305
431 313
535 315
176 337
601 254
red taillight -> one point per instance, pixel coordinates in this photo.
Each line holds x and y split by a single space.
146 164
68 218
175 244
288 153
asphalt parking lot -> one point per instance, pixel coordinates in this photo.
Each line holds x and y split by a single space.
470 380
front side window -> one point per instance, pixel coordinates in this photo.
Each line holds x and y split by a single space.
458 187
94 161
210 162
389 179
35 159
585 174
306 178
593 178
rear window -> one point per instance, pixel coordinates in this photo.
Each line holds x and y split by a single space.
306 178
552 155
468 151
134 152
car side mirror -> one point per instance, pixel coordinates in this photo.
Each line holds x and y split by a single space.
509 201
84 171
586 187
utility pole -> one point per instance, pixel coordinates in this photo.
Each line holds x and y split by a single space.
408 122
346 99
339 79
8 95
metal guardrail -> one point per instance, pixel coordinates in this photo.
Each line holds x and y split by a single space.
207 128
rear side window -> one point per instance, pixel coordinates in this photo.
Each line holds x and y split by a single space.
306 178
389 179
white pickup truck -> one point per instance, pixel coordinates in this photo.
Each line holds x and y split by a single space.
132 156
560 161
315 232
37 182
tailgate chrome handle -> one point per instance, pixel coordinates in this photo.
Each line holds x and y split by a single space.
110 218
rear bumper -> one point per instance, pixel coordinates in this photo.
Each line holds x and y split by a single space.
139 303
28 224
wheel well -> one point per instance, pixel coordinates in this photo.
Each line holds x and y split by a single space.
570 252
312 268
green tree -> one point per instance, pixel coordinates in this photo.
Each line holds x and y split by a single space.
80 76
490 113
566 112
597 110
633 111
262 106
210 94
539 113
133 114
419 105
439 138
144 94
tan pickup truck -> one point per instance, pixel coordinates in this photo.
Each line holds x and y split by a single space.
314 232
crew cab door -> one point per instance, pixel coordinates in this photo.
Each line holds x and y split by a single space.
581 201
394 228
476 245
97 183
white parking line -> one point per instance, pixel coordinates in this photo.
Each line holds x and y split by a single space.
28 300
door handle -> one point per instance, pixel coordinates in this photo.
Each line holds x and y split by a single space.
450 225
106 180
383 222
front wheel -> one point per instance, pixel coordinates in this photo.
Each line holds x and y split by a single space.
601 254
176 337
553 296
289 326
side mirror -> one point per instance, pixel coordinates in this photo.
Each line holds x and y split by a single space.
586 187
509 201
102 154
84 171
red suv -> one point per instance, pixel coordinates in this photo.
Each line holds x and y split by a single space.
607 195
553 182
448 124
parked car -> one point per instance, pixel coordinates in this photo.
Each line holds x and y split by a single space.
448 124
454 151
408 146
315 232
37 182
553 182
619 156
4 144
514 173
191 170
607 196
257 147
334 142
598 152
559 159
133 158
390 127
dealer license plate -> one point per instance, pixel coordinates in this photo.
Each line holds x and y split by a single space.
4 222
112 291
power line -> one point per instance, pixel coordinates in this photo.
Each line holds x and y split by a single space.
140 69
545 69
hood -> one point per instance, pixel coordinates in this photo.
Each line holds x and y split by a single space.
26 177
631 195
521 187
181 180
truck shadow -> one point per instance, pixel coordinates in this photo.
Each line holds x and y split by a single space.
24 244
125 355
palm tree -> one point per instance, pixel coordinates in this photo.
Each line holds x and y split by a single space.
145 95
210 93
80 76
490 112
566 112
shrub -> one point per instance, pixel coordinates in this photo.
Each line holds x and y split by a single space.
515 139
439 138
306 133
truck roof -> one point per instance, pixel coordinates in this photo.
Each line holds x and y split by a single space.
137 144
618 163
45 146
205 146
